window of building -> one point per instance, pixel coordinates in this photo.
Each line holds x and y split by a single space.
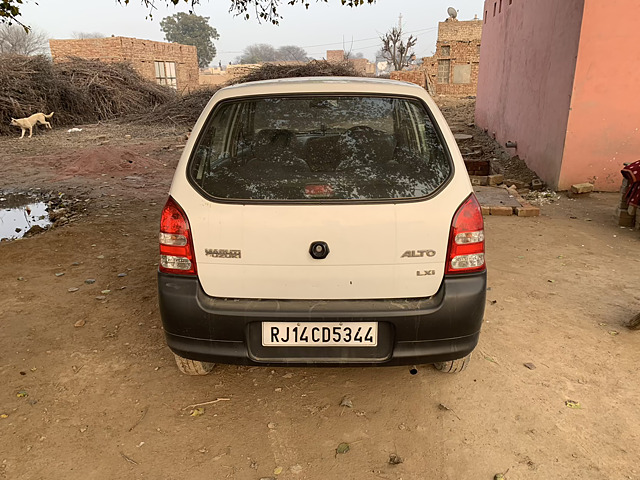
500 8
495 8
444 70
445 51
461 74
485 16
166 74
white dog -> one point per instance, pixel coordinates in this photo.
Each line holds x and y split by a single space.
29 122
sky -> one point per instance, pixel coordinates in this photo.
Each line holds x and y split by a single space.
324 26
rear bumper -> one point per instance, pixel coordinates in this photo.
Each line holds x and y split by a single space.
443 327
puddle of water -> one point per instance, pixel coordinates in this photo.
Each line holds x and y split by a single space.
18 213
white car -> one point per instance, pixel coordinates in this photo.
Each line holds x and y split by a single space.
322 221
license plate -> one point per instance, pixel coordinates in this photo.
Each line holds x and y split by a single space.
320 334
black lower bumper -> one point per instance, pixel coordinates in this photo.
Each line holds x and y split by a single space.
443 327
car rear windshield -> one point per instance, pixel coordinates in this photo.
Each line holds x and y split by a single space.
328 148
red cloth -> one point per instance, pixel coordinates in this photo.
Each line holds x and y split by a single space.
632 173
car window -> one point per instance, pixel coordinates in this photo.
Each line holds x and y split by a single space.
308 148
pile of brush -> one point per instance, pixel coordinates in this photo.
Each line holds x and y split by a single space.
316 68
186 109
78 91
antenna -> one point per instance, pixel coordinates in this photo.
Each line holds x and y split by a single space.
453 13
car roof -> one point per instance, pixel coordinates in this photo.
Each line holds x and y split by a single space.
323 85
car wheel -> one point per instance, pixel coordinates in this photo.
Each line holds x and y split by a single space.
193 367
453 366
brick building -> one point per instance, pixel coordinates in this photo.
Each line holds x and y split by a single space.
361 65
169 64
453 70
335 56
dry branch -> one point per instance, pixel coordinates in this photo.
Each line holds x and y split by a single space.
78 90
186 109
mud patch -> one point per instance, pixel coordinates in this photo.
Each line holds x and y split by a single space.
25 214
94 162
21 214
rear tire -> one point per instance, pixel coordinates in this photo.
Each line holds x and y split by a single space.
453 366
193 367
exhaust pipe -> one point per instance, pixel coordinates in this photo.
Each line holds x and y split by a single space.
413 370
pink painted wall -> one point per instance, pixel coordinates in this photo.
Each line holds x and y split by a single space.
527 65
602 133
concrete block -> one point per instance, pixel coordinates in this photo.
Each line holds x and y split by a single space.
502 211
495 180
462 136
479 180
486 211
537 184
582 188
623 218
528 211
515 183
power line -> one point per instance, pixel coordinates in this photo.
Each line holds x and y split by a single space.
424 30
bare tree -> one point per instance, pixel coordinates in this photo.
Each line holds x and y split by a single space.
258 52
292 53
263 52
14 39
85 35
352 56
395 49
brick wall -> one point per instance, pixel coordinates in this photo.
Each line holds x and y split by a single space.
141 54
336 56
454 30
363 66
413 76
459 43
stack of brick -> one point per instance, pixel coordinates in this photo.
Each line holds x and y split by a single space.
412 76
478 167
627 216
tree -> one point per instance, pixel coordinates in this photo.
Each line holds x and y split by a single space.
16 40
266 10
395 49
85 35
191 29
257 53
292 53
350 55
263 52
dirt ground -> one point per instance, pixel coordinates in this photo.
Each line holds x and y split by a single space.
459 113
104 400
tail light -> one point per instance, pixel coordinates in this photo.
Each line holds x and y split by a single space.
176 244
466 240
